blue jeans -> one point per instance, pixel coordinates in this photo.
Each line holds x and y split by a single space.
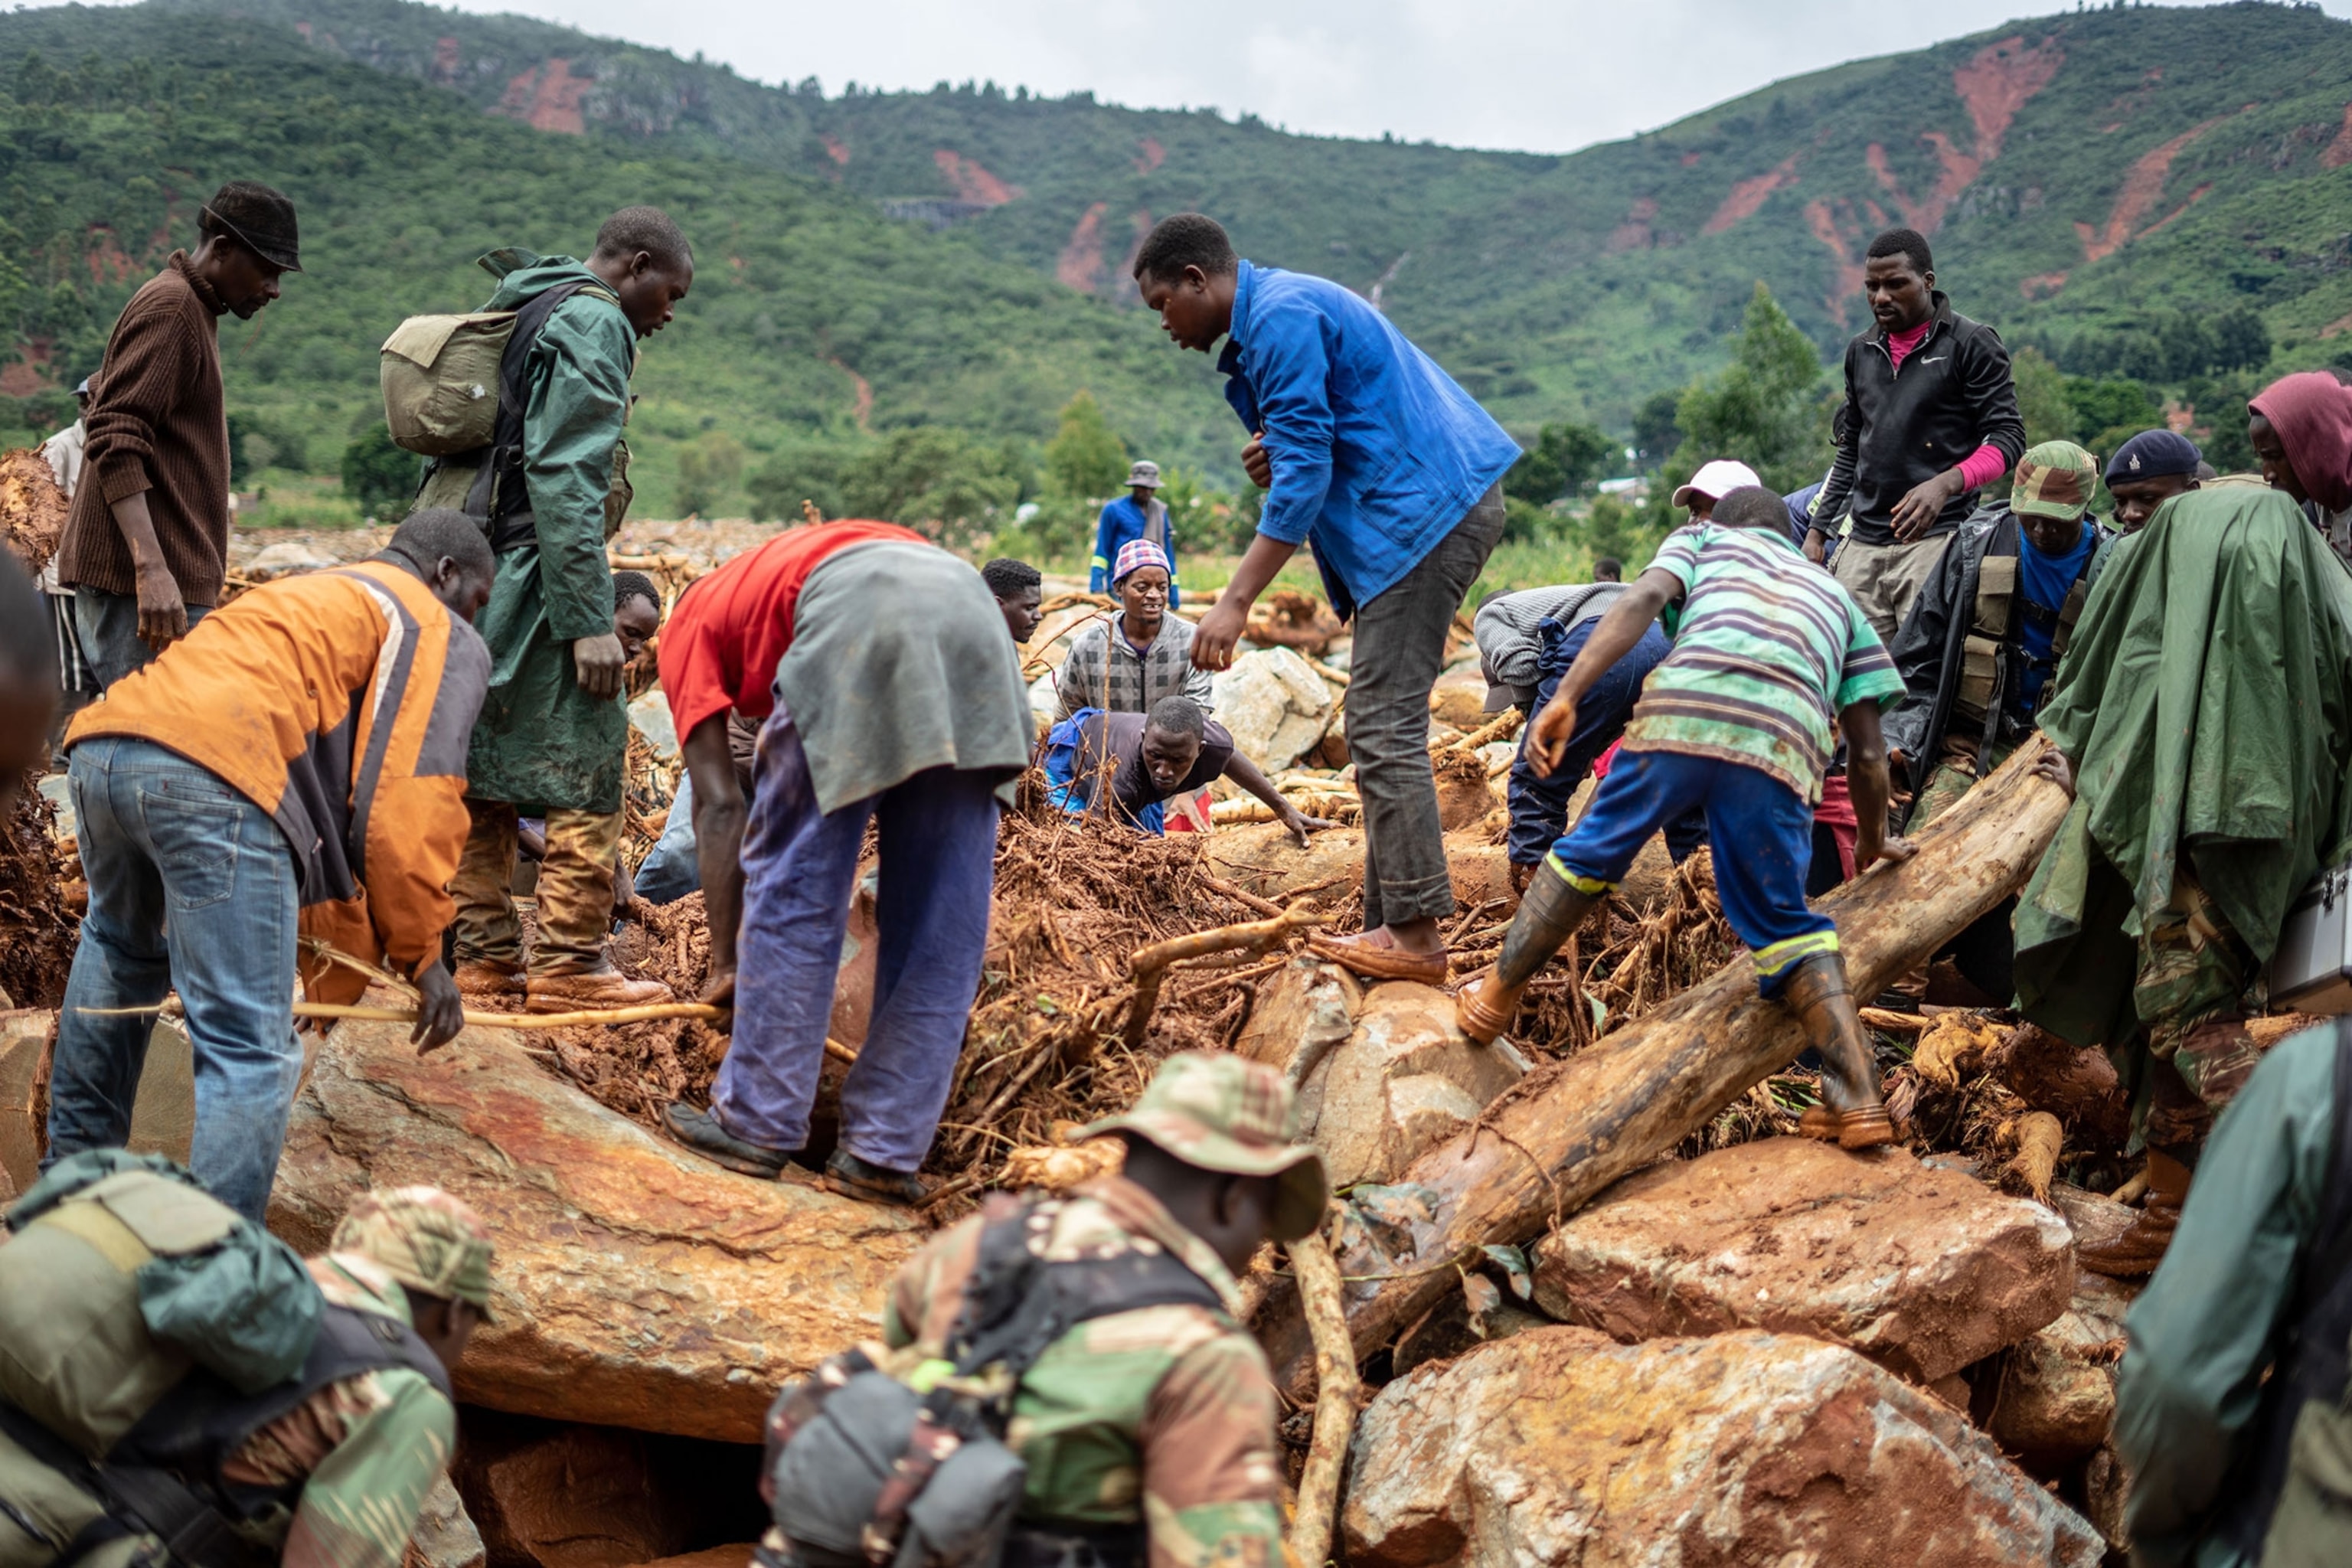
190 886
107 627
938 834
1539 805
670 869
1762 885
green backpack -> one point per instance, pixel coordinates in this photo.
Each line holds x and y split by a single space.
120 1278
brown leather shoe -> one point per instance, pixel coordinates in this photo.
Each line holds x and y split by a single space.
601 988
488 976
2135 1254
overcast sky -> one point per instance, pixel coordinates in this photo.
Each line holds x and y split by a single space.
1538 75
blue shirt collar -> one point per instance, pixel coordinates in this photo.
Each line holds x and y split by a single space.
1237 329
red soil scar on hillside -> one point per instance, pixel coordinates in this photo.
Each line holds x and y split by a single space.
1845 281
2339 151
972 182
1634 233
444 59
1994 85
836 150
1081 262
547 98
1151 157
2142 186
1748 194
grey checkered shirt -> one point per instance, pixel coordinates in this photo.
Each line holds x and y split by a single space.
1135 681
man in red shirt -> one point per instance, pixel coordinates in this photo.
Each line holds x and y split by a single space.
890 693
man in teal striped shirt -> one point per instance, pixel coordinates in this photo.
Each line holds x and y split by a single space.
1771 656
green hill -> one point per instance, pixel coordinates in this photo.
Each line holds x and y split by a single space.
2159 193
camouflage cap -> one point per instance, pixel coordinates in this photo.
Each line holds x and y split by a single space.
2055 479
425 1239
1226 1112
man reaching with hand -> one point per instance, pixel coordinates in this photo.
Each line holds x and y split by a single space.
1930 418
1371 453
1735 721
554 737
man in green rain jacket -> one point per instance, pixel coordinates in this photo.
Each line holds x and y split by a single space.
2204 712
553 734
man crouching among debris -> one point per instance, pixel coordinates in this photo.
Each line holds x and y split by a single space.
1737 721
891 695
1174 752
295 765
1147 1424
251 1407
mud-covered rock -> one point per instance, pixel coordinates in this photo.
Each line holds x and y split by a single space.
1273 705
1923 1270
635 1284
1262 858
575 1497
1560 1446
2056 1401
444 1536
1383 1073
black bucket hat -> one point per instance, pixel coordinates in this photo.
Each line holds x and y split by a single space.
261 218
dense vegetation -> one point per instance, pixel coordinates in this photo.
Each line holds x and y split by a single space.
2154 202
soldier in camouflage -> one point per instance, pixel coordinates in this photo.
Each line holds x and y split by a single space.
367 1449
1149 1432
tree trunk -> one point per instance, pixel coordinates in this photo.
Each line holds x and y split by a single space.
1569 1132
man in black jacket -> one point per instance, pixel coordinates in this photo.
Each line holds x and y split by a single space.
1914 444
1989 628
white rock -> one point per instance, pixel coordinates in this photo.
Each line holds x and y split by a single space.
285 559
650 716
1274 705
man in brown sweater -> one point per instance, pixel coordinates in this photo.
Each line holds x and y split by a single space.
146 543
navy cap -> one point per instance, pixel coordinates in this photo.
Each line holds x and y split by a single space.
2154 454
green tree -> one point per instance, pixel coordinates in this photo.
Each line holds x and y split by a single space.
1086 458
812 474
1762 409
380 477
706 472
1612 528
2041 400
1655 434
930 477
1564 460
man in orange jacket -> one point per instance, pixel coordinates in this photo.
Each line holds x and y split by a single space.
296 765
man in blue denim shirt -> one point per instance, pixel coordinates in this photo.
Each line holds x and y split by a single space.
1371 454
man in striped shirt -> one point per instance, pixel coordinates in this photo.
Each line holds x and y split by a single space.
1770 656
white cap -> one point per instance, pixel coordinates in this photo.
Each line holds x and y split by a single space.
1717 481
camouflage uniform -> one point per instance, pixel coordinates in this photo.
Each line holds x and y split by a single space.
371 1446
1162 1415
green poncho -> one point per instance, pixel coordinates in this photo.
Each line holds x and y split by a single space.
540 741
2206 703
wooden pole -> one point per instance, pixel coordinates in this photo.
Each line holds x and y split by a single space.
1336 1390
1636 1093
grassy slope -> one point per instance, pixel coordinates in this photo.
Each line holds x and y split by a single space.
1578 285
2197 149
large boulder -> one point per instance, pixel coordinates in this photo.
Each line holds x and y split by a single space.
1383 1073
1922 1270
443 1535
569 1497
1558 1446
1273 705
1263 858
636 1285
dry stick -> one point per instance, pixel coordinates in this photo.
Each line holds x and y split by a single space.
701 1011
1151 963
1219 885
1336 1388
1502 728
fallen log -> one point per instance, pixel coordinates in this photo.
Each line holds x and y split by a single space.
1570 1131
635 1284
